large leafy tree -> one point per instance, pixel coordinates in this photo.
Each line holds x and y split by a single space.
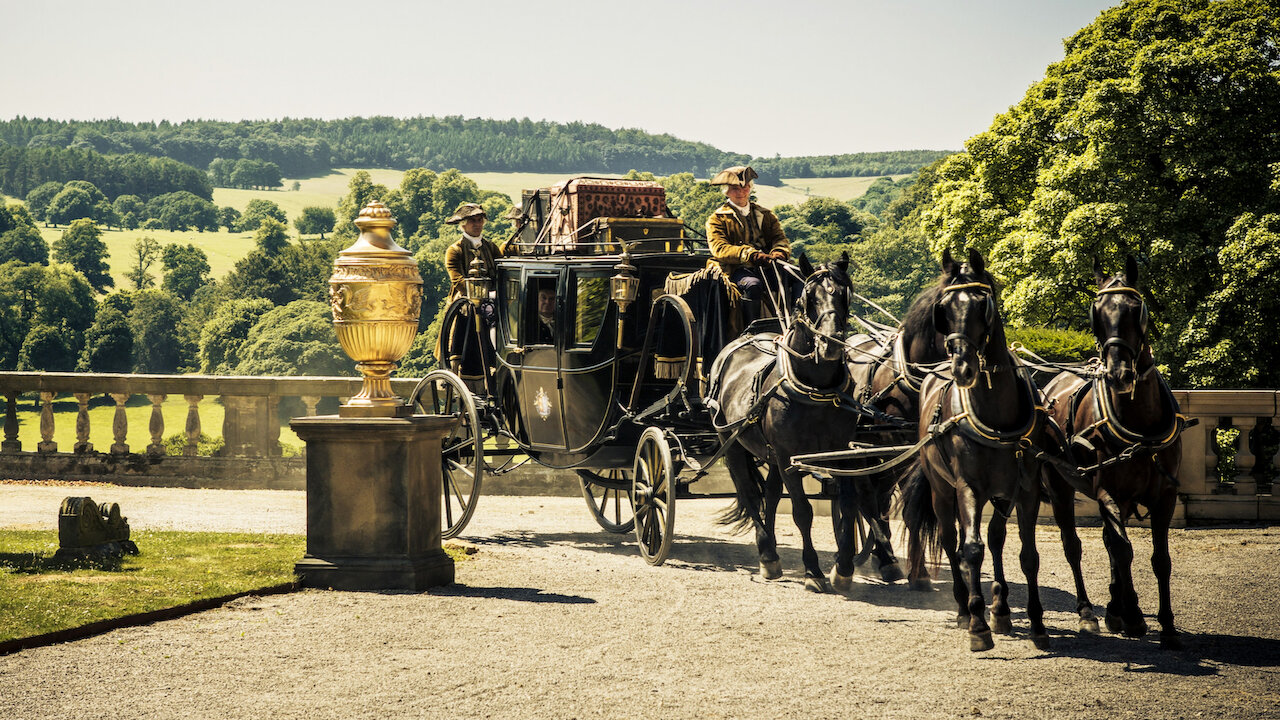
157 343
315 220
108 344
39 198
77 199
1155 135
186 269
224 335
258 210
297 339
19 237
82 248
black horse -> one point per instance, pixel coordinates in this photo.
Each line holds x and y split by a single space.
984 429
785 395
1123 426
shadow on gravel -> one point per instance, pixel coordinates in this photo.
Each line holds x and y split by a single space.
533 595
1201 656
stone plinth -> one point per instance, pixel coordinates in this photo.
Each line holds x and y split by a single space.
373 503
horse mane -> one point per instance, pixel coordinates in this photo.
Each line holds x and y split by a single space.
919 318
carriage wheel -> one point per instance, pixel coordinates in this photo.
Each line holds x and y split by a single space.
462 455
608 494
653 493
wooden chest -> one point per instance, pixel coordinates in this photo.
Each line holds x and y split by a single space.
577 203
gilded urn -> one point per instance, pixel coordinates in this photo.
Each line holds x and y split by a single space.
376 295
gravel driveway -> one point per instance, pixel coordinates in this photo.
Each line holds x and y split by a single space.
552 618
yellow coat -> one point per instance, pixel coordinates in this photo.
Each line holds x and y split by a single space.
728 237
457 260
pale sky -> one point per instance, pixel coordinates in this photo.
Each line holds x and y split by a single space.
800 78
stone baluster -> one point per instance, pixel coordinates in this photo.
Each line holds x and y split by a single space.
156 425
193 424
120 425
1246 483
11 442
47 443
82 446
311 401
1212 425
273 426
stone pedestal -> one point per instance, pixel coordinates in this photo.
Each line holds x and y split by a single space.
373 503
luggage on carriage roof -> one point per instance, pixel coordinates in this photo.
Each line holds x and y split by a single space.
576 203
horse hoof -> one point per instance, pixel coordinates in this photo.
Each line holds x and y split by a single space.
1089 625
1135 629
891 573
1170 641
1040 641
771 569
922 584
980 641
1001 624
1114 624
842 583
962 621
817 585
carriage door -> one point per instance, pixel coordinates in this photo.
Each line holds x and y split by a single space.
540 381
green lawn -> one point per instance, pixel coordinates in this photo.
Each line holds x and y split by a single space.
222 247
40 595
845 188
138 411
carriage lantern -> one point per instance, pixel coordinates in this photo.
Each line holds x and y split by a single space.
376 295
477 282
624 286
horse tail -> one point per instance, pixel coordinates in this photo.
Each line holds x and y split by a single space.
915 504
748 491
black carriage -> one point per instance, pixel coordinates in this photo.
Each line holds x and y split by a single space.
615 391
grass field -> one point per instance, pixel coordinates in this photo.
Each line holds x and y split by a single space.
40 595
137 411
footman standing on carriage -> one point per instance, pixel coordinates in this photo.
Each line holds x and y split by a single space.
745 238
463 352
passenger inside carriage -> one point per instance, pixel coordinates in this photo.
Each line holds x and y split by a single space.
542 328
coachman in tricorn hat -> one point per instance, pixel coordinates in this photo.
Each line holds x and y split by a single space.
463 352
745 237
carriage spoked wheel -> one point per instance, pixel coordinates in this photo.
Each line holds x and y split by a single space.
653 493
442 392
608 495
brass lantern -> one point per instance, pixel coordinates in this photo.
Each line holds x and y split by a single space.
623 288
477 282
376 295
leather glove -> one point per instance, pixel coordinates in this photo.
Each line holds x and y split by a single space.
777 255
759 258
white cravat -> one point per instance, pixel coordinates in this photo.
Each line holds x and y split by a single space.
743 211
475 241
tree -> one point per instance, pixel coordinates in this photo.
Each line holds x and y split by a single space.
186 269
155 319
81 247
19 237
297 339
108 344
272 236
76 200
315 221
360 190
183 210
229 218
1153 136
46 348
130 204
38 199
690 200
258 210
57 299
145 253
224 335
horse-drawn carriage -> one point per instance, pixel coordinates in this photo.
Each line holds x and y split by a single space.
616 390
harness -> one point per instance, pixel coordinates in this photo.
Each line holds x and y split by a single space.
1122 443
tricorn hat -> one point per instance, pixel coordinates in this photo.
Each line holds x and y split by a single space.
464 211
514 213
736 175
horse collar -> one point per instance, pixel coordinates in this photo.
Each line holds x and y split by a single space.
972 425
1113 429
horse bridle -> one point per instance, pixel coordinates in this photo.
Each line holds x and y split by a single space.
1116 340
990 313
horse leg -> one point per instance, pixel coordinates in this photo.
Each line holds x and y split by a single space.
971 552
1123 614
746 480
802 514
1064 513
772 569
846 511
997 531
1028 514
1162 565
873 504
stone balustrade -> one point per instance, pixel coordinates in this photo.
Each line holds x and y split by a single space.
251 455
250 428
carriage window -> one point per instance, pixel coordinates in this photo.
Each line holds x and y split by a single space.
589 310
512 308
541 313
